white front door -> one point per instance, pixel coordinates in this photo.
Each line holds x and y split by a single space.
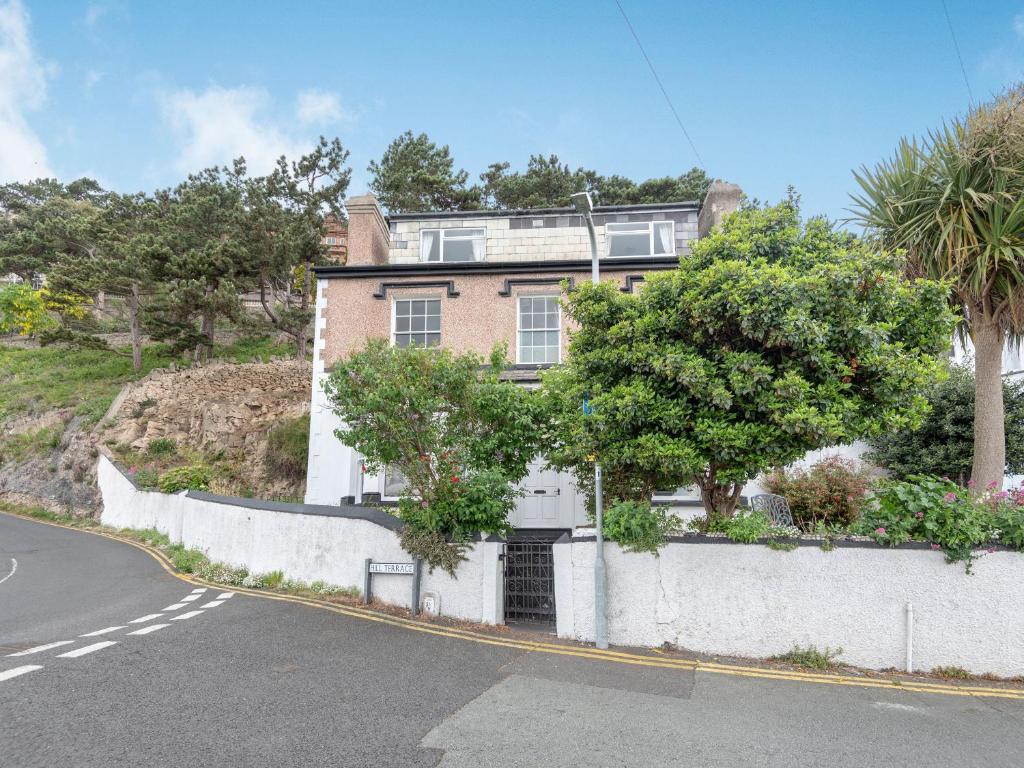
542 505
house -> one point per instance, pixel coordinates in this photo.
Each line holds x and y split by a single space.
335 238
467 281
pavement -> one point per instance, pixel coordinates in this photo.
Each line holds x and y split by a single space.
106 659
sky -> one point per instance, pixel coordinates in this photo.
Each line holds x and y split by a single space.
773 94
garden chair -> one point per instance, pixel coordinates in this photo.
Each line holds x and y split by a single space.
774 506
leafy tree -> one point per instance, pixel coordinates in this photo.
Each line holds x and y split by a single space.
461 437
618 190
23 311
547 183
943 445
773 338
955 203
417 175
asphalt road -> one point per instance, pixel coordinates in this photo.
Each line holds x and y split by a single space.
255 682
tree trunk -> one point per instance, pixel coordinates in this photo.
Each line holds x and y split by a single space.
208 331
719 499
135 326
302 334
989 418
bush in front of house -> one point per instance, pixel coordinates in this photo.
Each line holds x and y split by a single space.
195 477
944 443
829 494
639 527
288 448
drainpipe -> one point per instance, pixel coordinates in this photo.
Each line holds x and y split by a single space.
910 637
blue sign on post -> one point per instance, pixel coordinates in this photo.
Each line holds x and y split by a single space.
588 409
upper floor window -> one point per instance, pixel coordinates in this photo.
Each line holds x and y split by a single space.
640 238
417 322
332 240
539 329
451 244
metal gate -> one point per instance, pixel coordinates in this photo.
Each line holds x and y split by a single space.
530 578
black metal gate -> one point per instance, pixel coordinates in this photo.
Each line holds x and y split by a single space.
530 578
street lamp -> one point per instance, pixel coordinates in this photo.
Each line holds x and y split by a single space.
584 205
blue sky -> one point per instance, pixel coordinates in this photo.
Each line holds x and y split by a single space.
772 93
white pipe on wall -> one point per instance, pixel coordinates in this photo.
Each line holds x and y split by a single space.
910 637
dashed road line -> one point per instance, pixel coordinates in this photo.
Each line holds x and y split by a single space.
150 628
87 649
144 619
9 673
174 607
14 567
225 596
212 604
41 648
198 591
187 615
190 598
102 631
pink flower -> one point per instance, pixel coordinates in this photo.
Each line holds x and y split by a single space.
991 550
950 497
880 531
919 515
1002 495
970 483
936 546
424 504
133 470
455 479
993 485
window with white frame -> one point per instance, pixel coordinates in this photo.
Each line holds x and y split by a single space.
452 244
395 483
640 238
417 322
539 330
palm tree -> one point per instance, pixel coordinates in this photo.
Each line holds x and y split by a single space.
955 203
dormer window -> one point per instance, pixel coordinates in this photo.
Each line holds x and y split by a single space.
640 238
451 244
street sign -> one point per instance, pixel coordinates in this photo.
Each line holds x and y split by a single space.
588 409
407 569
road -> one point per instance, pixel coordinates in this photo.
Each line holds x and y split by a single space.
128 665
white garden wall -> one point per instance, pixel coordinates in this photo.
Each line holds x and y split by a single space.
319 544
749 600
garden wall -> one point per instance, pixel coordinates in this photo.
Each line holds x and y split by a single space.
719 597
306 542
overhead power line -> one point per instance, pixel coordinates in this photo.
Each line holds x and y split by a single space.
956 47
658 81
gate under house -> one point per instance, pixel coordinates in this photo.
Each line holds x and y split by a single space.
530 577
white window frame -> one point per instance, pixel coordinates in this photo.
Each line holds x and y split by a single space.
520 329
609 233
394 317
444 235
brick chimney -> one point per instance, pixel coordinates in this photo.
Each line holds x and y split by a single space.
368 236
722 198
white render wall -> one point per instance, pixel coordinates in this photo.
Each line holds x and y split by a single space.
750 600
307 547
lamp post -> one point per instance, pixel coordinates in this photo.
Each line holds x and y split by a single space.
584 205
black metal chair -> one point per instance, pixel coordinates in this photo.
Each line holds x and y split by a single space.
774 506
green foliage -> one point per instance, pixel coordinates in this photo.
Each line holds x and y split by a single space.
830 493
810 657
461 436
417 175
23 311
273 579
639 527
185 560
162 446
21 445
147 478
195 477
952 673
288 448
944 443
433 548
748 526
773 338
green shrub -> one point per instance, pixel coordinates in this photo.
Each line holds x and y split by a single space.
273 580
747 526
832 492
951 673
288 448
162 446
639 527
195 477
432 548
147 478
810 657
186 560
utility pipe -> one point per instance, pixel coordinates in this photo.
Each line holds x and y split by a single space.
910 637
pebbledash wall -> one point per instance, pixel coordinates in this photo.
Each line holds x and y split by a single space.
703 594
306 542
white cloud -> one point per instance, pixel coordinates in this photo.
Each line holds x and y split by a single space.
219 124
94 12
318 107
1018 24
92 77
22 88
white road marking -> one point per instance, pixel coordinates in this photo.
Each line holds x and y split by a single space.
150 628
174 607
144 619
225 596
212 604
40 648
894 705
102 631
9 673
87 649
190 598
14 567
187 615
198 591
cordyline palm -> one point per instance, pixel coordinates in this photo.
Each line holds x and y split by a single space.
955 203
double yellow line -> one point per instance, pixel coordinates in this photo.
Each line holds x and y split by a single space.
593 654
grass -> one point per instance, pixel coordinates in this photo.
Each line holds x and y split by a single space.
811 658
25 444
288 448
192 560
87 380
952 673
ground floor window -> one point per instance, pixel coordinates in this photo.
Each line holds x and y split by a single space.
417 322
